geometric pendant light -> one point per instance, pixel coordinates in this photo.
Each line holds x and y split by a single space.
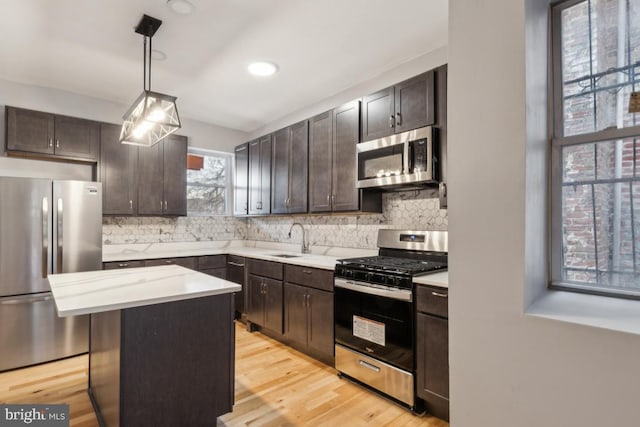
153 116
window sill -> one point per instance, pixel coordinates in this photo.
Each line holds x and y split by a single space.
615 314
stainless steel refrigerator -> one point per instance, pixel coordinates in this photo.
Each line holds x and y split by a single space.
46 227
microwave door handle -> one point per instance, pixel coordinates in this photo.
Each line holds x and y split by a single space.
405 158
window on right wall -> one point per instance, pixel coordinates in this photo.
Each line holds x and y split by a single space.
595 182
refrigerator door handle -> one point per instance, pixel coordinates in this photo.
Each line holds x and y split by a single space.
27 299
45 237
59 238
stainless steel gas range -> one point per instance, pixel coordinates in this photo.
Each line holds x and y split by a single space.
375 313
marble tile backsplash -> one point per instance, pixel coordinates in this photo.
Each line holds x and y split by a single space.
121 230
417 210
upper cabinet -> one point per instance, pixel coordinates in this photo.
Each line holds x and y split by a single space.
260 176
333 137
162 182
289 169
118 173
49 135
241 188
405 106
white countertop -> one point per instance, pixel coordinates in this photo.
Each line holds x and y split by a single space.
106 290
440 279
320 257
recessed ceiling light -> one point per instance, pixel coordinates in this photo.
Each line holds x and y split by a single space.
262 68
182 7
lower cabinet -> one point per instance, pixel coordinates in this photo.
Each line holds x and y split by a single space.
432 350
264 295
265 303
213 265
309 318
114 265
308 311
188 262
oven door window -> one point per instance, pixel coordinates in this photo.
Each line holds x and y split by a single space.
376 326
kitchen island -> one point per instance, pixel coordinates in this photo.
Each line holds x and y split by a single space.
161 343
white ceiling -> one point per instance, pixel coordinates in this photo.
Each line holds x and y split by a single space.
322 47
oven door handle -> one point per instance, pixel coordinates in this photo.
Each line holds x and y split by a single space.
379 290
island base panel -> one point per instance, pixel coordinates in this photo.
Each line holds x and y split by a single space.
176 363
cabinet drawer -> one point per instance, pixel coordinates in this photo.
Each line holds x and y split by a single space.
216 272
122 264
433 300
188 262
265 268
312 277
235 261
212 261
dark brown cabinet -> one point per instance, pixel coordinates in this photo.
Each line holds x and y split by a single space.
432 349
378 115
308 311
115 265
213 265
289 169
187 262
321 162
405 106
241 194
118 173
54 136
346 128
162 185
333 139
260 176
264 295
236 274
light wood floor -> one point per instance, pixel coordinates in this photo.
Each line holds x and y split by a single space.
275 386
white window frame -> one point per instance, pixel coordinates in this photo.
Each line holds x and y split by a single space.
558 141
229 164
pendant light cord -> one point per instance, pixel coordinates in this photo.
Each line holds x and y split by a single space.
144 70
146 73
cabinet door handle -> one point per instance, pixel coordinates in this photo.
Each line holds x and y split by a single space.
391 121
308 300
398 119
50 142
57 143
167 261
237 264
165 205
438 294
160 205
130 205
123 265
307 271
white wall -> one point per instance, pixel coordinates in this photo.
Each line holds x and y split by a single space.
384 79
201 135
507 368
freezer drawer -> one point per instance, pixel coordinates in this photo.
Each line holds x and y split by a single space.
33 333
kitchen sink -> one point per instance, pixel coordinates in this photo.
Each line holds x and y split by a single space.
287 256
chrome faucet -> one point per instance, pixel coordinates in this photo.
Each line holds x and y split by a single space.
305 244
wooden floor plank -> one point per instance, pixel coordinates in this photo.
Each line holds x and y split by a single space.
275 386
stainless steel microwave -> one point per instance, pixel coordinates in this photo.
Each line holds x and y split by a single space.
400 161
